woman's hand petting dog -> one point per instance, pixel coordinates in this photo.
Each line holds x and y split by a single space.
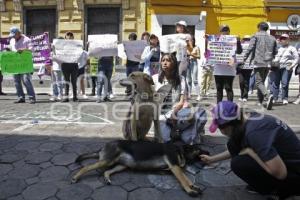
206 159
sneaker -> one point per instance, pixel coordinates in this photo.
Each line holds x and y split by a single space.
106 99
53 99
32 101
240 99
111 96
59 98
259 104
21 100
270 102
85 97
297 101
245 100
285 102
199 98
250 92
99 100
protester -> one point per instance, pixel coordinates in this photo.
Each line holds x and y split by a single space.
297 72
131 66
105 70
145 36
70 72
81 73
285 61
151 56
193 53
181 27
224 73
262 48
176 103
20 43
1 79
244 71
264 151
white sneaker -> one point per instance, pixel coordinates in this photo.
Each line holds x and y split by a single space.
285 102
59 98
111 96
297 101
199 98
245 100
240 99
85 97
53 99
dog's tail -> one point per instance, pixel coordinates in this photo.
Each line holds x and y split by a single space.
82 157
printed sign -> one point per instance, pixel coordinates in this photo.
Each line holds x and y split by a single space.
221 49
68 51
4 43
103 45
41 49
240 57
134 49
16 63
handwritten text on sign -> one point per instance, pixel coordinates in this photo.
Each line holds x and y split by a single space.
16 63
103 45
68 51
134 49
221 49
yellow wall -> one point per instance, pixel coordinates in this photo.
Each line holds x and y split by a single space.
241 15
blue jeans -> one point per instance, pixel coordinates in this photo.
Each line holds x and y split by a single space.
57 83
252 82
26 79
282 76
192 75
103 79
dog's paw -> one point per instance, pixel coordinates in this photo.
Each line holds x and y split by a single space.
74 180
194 193
107 181
196 188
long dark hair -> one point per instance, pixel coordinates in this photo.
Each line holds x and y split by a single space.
175 82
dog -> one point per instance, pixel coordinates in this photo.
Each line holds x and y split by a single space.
144 108
119 155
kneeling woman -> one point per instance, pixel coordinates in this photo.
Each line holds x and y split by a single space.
170 84
265 152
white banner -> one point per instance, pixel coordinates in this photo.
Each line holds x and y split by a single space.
134 49
240 57
174 43
103 45
121 51
221 49
68 51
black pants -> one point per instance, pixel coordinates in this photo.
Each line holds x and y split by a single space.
244 77
70 71
252 173
224 82
94 84
1 79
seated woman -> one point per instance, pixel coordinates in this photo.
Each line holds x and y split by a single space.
264 151
174 124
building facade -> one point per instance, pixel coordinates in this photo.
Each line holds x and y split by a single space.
82 17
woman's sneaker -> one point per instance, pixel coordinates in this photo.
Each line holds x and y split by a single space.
297 101
285 102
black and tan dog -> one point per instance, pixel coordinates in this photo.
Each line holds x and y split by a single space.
119 155
144 108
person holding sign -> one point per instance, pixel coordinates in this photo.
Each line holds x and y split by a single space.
262 49
70 72
20 43
224 73
151 56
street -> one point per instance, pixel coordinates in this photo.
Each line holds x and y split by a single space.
39 144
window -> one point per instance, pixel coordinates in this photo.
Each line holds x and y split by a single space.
39 21
170 29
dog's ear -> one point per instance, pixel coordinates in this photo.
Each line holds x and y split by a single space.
174 53
148 79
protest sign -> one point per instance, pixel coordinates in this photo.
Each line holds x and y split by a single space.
121 51
4 43
68 51
41 49
174 43
134 49
93 66
103 45
240 57
16 63
221 49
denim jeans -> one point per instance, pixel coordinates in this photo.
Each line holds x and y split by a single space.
26 79
103 79
57 83
192 75
282 76
252 82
